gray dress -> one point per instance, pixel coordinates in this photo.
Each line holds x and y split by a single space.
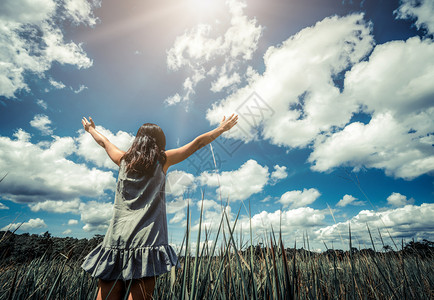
136 242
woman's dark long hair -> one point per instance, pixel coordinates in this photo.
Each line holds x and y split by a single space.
148 147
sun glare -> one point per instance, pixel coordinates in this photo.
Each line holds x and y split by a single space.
205 8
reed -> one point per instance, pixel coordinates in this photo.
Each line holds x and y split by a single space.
225 270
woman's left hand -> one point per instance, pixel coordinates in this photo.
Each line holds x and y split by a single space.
87 124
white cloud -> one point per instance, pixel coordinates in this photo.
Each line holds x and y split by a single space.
405 222
42 123
32 40
298 95
212 215
398 138
2 206
67 231
296 198
207 204
23 11
293 222
81 88
396 199
64 53
266 199
347 200
225 81
26 226
177 207
198 51
384 143
91 151
96 215
421 10
179 182
42 171
406 68
301 105
279 173
72 222
42 104
80 11
240 184
173 99
56 206
57 84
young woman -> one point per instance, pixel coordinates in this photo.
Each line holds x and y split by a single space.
135 246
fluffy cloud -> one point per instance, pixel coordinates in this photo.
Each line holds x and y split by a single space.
240 184
293 222
57 84
279 173
42 123
93 152
207 204
384 143
179 182
81 88
96 215
2 206
42 171
399 136
42 104
406 222
32 39
421 10
198 51
72 222
56 206
212 215
224 81
177 207
396 199
301 105
297 84
80 11
347 200
25 226
397 76
296 199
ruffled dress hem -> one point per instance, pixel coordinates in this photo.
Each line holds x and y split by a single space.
109 263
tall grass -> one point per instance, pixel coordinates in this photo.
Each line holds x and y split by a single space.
225 270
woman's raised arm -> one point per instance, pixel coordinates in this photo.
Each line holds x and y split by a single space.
175 156
113 152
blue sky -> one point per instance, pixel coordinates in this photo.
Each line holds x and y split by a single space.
335 103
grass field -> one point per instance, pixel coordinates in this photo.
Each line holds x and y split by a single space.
227 272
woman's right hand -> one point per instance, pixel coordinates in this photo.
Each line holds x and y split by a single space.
229 123
87 124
